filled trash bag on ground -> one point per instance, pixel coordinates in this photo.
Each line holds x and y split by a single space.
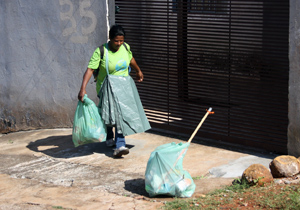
120 105
88 126
164 173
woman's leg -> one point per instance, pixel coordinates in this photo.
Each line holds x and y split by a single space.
120 145
120 140
110 137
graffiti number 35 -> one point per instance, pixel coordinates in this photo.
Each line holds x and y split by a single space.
69 15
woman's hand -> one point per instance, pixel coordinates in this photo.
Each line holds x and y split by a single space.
86 77
139 76
81 95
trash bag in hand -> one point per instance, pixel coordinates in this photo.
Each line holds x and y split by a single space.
164 173
88 126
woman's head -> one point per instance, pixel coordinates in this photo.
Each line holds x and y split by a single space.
116 36
116 30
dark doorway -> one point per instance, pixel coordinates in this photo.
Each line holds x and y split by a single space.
228 55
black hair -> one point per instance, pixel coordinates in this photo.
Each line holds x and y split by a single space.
116 30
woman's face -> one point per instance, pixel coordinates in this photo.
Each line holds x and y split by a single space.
116 43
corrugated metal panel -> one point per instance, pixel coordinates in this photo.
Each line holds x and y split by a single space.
230 55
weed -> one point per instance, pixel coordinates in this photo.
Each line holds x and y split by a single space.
199 177
60 207
177 204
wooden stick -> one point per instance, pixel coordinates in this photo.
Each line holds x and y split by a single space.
200 124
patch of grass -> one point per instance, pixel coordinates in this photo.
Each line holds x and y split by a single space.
241 195
199 177
178 204
285 197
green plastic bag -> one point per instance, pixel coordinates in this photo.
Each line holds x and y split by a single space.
120 105
88 126
164 173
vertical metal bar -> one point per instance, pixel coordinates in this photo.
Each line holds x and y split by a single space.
182 11
168 59
230 68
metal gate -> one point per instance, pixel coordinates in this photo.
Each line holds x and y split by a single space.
228 55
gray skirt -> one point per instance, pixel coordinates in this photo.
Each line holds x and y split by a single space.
120 105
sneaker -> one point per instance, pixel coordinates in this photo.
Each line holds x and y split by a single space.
110 143
121 151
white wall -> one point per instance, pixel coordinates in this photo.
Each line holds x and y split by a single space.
294 81
45 49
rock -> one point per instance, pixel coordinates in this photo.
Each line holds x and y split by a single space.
257 174
285 166
278 181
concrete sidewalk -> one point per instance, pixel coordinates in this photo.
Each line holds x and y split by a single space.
41 169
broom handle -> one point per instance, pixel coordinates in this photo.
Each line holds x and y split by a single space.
199 125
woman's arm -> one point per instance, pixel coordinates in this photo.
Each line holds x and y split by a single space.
138 72
86 78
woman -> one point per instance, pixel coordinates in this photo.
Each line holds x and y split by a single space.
120 57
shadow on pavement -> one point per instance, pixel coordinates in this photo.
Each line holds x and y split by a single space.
136 186
63 147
